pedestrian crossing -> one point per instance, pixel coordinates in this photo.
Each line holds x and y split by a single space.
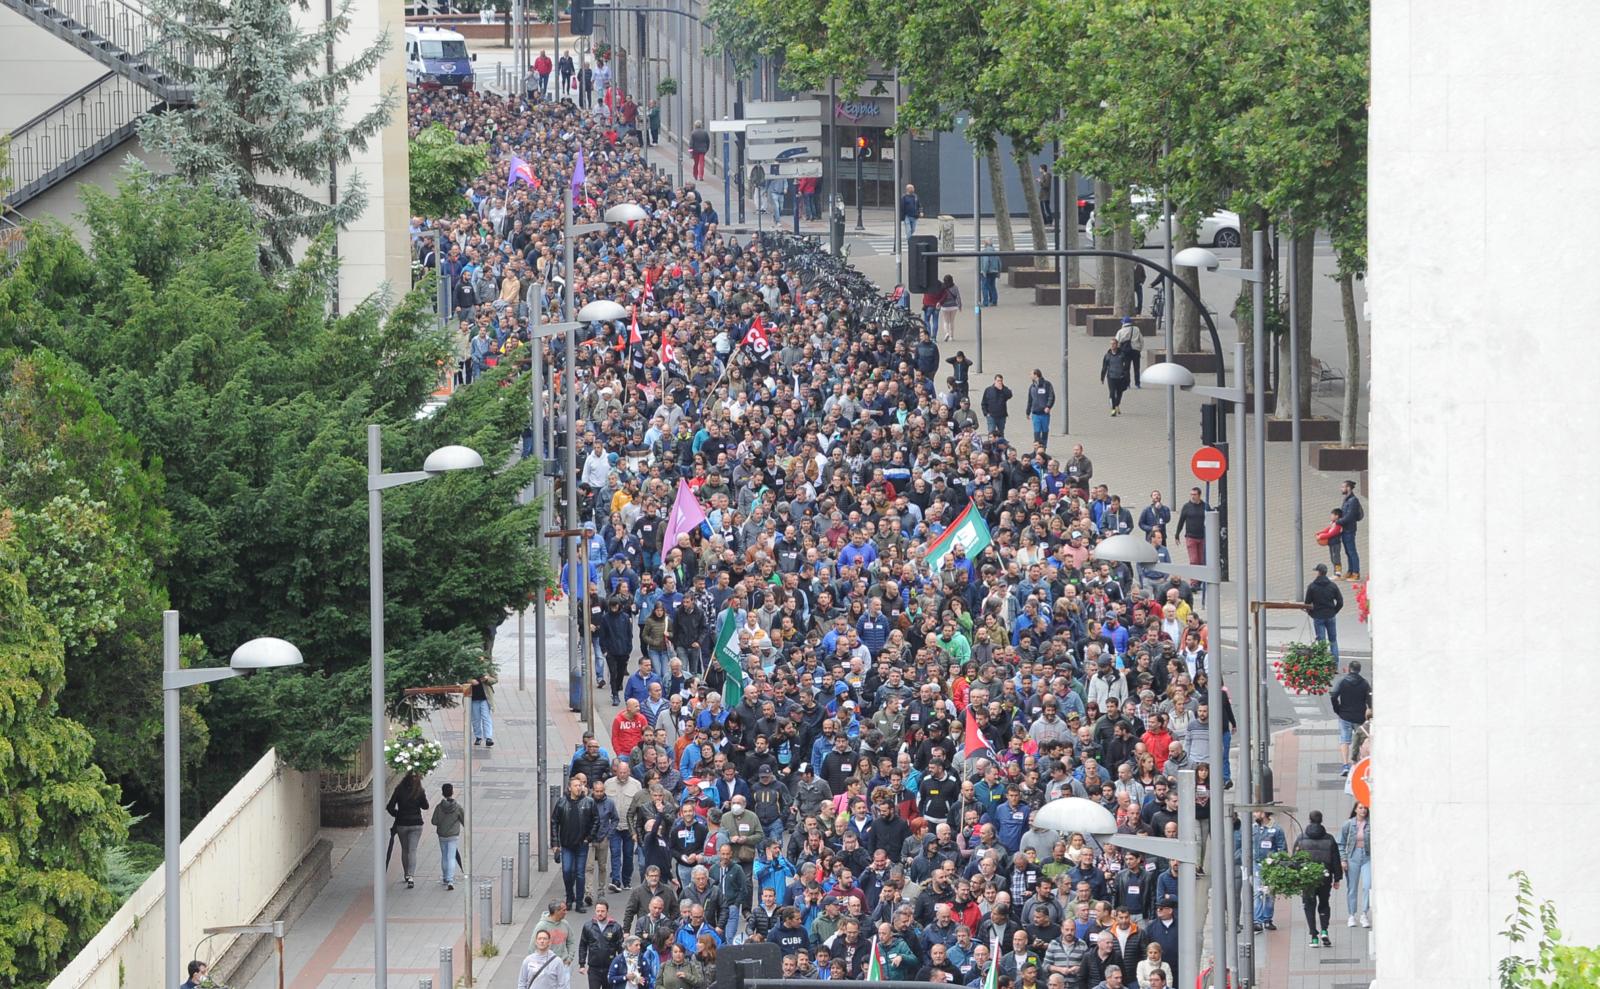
884 244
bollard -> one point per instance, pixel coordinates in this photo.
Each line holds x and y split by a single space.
447 968
507 863
524 851
947 232
486 902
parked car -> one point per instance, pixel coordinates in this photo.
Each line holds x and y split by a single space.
1220 229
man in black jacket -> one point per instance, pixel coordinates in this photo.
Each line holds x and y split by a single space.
572 822
600 942
996 399
1041 399
1352 698
1319 844
1325 602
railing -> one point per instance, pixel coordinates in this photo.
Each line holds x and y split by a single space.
124 25
117 33
13 236
73 133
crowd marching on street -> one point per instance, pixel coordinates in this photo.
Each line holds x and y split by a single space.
852 630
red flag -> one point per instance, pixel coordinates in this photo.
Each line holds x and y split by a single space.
668 353
974 745
756 340
624 341
649 280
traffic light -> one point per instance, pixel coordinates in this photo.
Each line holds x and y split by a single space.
922 271
861 147
582 16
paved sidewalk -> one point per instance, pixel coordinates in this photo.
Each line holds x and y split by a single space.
330 946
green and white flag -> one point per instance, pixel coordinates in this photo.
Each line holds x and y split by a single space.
875 963
727 653
968 531
992 980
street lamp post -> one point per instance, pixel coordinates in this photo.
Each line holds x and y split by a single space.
440 461
1069 814
257 654
1136 552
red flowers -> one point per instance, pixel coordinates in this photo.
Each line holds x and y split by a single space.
1306 668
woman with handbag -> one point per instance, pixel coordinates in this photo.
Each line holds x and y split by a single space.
406 805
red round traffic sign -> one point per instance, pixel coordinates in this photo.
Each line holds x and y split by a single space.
1208 463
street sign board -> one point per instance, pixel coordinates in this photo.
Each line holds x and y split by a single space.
1208 464
795 170
782 109
1361 782
786 130
784 151
734 126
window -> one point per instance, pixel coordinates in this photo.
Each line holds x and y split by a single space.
447 48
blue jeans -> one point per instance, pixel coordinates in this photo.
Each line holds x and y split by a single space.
1327 629
1358 881
774 831
1352 559
910 223
447 857
573 863
482 721
1264 905
1227 763
621 859
1041 425
990 295
930 320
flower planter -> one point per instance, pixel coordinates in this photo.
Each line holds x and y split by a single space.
1335 459
1198 362
1305 668
1313 429
1031 277
1107 325
1080 315
1050 295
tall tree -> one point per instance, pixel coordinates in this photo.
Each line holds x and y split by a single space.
441 169
58 815
272 113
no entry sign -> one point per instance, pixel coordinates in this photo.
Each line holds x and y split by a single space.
1208 464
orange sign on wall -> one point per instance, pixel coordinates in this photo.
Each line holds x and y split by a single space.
1361 782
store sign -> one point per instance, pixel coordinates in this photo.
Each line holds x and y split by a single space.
857 110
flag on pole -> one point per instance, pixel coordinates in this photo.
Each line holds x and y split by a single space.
669 353
875 963
973 744
521 171
577 176
992 980
756 339
727 652
685 517
968 531
632 337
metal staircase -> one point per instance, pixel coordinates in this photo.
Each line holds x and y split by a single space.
102 115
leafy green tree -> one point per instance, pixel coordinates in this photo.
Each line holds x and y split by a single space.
58 815
1553 965
255 404
271 112
441 167
90 519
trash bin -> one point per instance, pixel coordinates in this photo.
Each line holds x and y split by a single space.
836 226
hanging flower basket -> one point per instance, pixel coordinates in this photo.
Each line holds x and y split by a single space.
409 752
1363 603
1306 668
1291 873
667 87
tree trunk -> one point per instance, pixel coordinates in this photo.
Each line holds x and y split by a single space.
1122 240
1186 331
1250 220
1305 247
997 194
1105 276
1030 196
1069 221
1352 350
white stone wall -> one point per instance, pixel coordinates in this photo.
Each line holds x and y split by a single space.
1484 558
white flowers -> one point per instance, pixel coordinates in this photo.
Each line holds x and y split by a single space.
409 752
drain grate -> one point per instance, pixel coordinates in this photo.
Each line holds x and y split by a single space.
1339 961
1330 784
1282 722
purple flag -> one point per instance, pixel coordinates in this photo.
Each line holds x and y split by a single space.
577 176
687 516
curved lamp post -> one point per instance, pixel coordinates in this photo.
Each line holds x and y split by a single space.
257 654
441 461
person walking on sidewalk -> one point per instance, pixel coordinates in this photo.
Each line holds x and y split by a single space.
995 404
1316 842
448 819
1325 602
1131 339
542 67
989 275
1355 854
607 822
544 969
554 924
565 69
600 941
1114 372
1041 399
1192 527
406 805
1351 514
949 306
1352 699
572 823
1270 840
699 146
482 708
910 211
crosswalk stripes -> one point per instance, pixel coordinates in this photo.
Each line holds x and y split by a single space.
885 244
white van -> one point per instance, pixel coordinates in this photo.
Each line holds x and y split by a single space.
438 59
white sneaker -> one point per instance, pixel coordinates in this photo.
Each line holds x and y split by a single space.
1352 922
1365 922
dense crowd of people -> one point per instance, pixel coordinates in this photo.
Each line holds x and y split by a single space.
842 697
